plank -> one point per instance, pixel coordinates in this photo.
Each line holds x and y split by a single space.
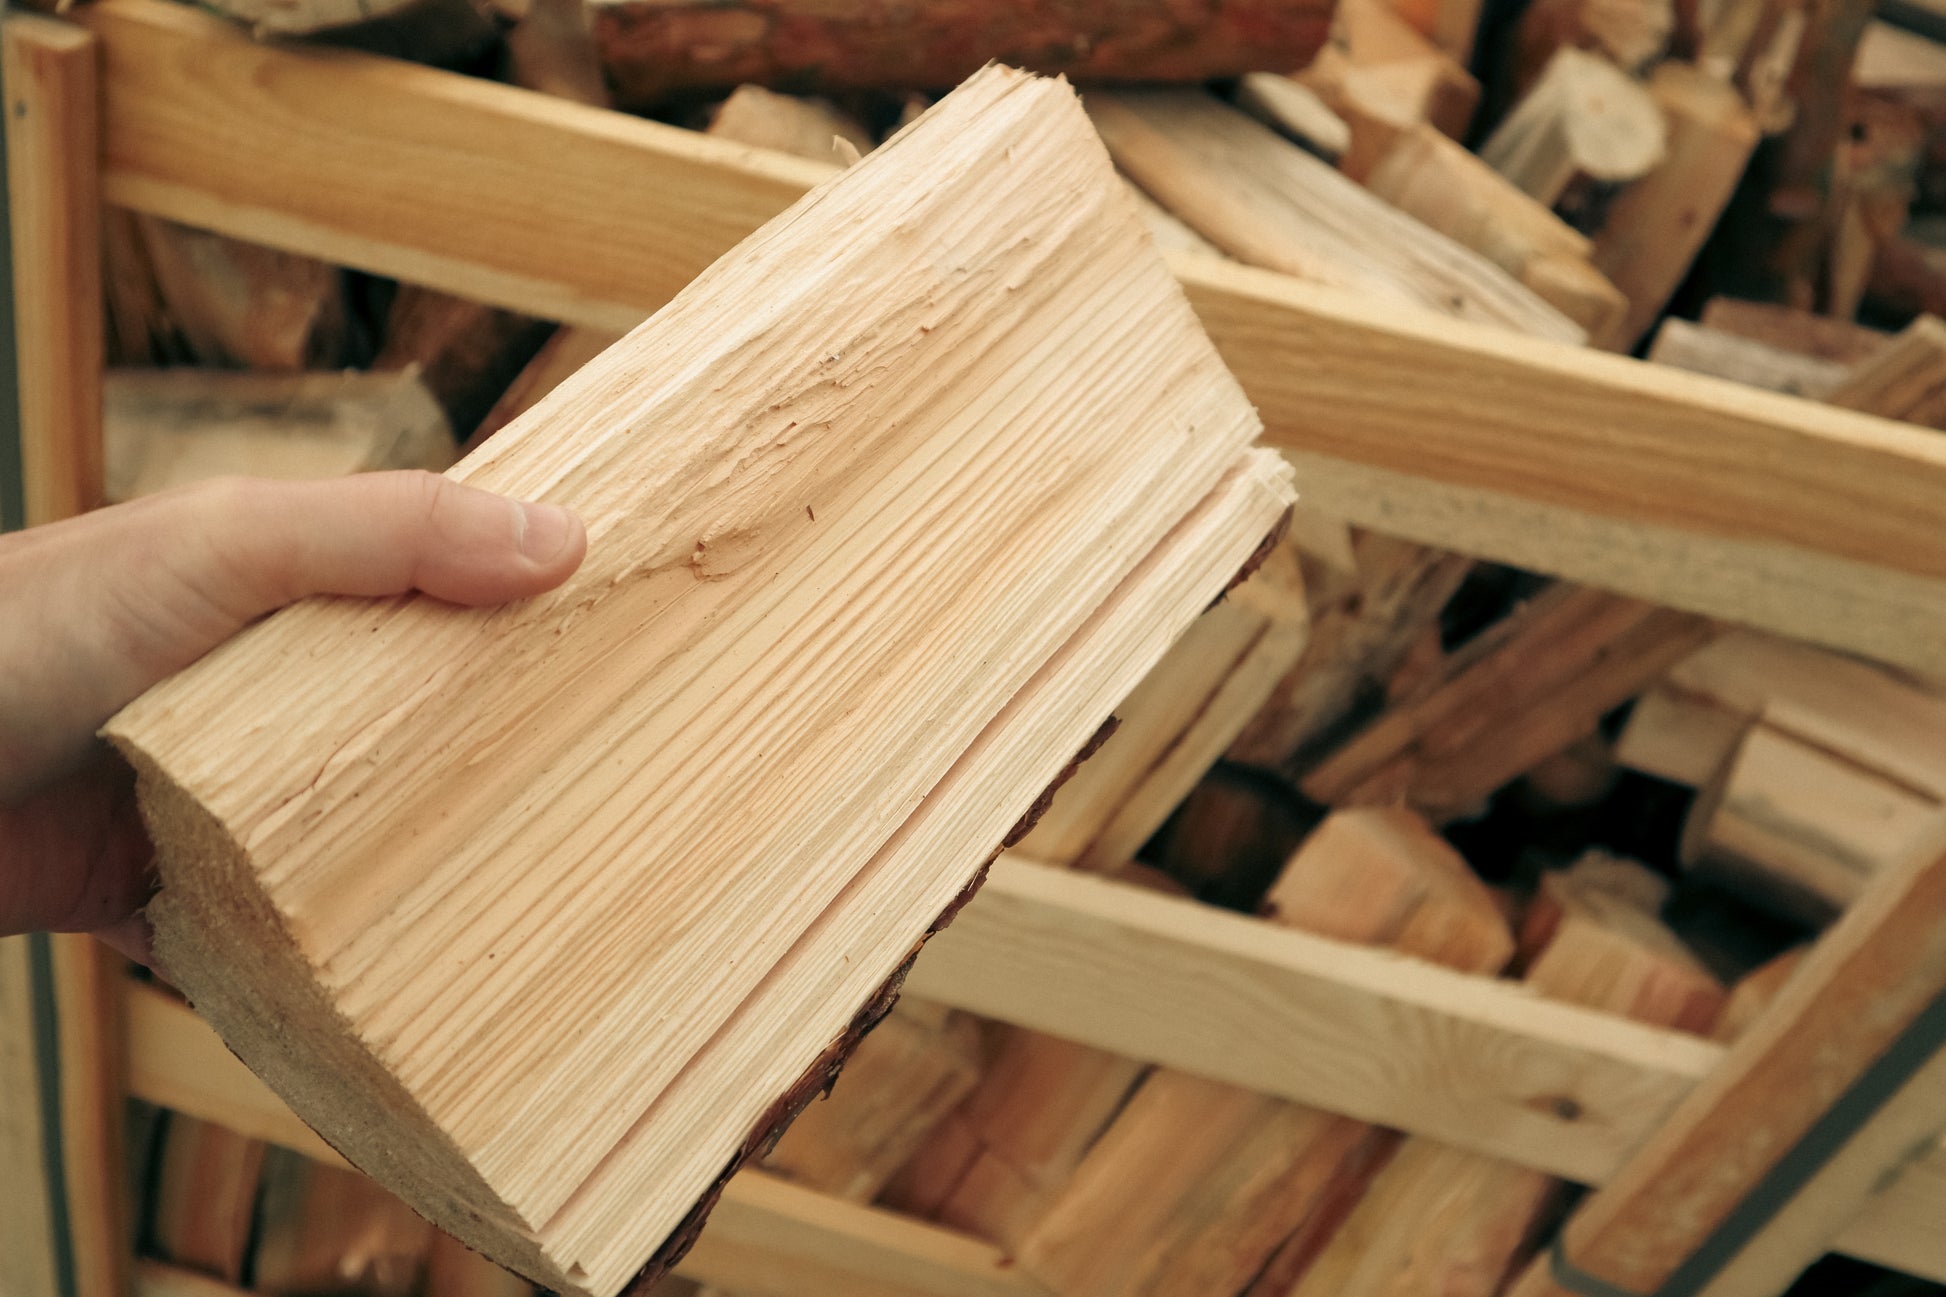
1478 1063
54 212
1267 202
1816 523
1671 487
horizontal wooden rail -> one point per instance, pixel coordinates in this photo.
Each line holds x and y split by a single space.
1690 491
765 1239
1373 1035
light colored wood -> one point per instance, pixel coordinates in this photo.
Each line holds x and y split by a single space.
1790 329
1612 453
1658 224
1703 350
764 1227
1267 202
1753 993
1892 58
1196 1185
1179 721
1441 184
1859 989
1170 234
1295 109
1798 821
1439 1219
29 1262
1520 692
204 1197
1304 1018
1449 24
1381 76
1903 380
1896 1229
411 199
54 213
1421 463
896 1087
1008 1151
167 427
1584 117
863 413
801 126
1686 728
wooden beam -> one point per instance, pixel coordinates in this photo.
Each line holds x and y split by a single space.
1815 522
54 209
1400 1043
1683 490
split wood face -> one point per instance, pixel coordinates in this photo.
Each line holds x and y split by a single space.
541 914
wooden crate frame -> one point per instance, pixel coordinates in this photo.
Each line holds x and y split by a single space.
1759 509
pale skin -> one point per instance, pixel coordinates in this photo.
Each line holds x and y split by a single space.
96 609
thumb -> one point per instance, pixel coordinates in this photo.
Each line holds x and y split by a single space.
116 600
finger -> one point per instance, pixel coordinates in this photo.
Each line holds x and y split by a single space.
260 545
74 857
103 606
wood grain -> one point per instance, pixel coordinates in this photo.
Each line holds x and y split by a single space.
1815 522
54 211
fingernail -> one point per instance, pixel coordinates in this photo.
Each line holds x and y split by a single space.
544 532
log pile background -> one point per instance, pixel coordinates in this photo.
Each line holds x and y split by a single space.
1623 806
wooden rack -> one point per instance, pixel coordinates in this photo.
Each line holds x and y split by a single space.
1758 509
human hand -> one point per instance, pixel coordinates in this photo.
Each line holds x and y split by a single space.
96 609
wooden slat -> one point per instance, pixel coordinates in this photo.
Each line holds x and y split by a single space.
502 195
1398 1042
54 208
1684 490
1668 486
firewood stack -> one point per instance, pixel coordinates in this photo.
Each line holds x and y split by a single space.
1623 806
